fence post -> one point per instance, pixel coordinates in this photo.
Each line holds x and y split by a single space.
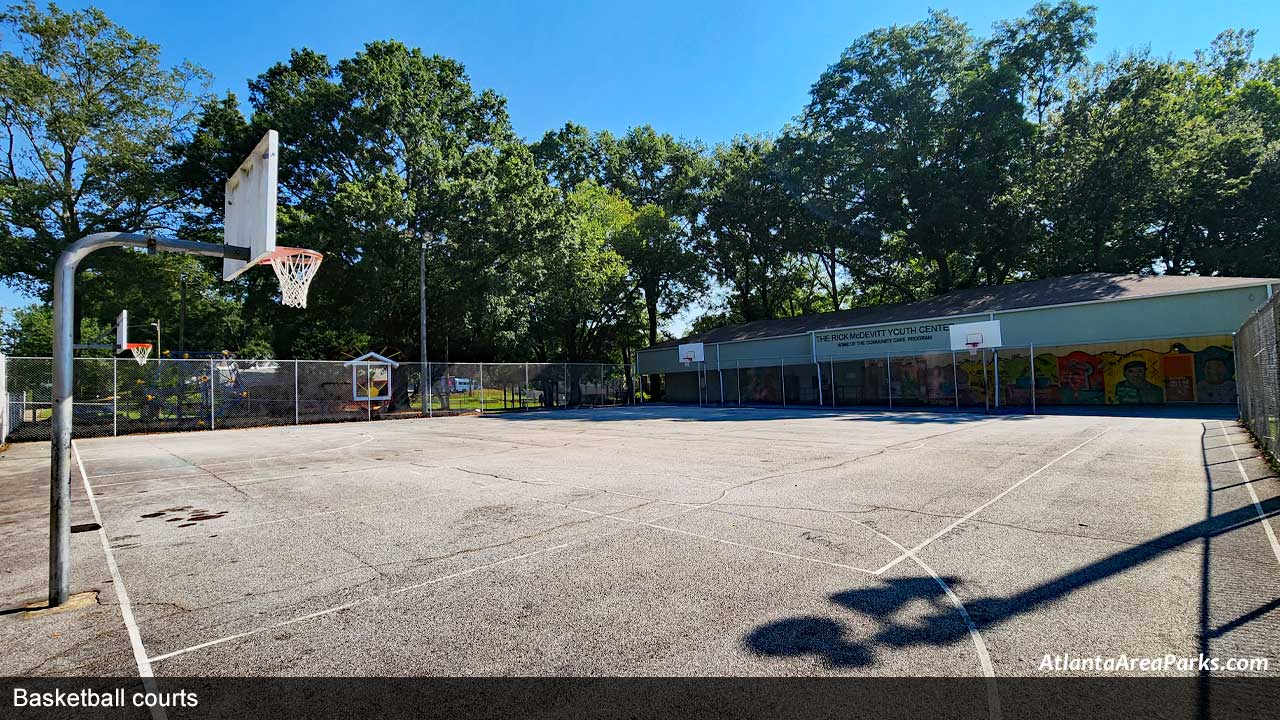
115 393
986 384
481 388
212 386
427 383
955 379
4 399
835 401
783 363
297 401
1031 348
566 384
995 362
737 375
524 391
888 376
818 366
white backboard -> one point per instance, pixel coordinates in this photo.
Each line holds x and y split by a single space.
975 335
250 217
122 330
691 352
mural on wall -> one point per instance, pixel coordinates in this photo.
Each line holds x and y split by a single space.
761 384
1189 370
1199 370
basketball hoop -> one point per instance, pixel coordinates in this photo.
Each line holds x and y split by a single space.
973 349
295 268
141 351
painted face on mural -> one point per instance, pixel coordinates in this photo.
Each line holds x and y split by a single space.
1136 372
1215 372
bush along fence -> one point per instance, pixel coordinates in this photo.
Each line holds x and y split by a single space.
1258 375
117 396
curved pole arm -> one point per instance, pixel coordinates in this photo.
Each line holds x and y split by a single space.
64 276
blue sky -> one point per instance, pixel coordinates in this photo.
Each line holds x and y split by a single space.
706 70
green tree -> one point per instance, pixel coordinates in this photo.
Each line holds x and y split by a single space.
749 229
661 176
928 128
1163 166
90 117
586 306
662 264
570 156
29 332
381 153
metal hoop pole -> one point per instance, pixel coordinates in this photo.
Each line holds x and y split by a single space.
783 361
888 374
64 277
818 365
212 386
1031 348
955 379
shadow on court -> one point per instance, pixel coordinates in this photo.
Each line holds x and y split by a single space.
831 641
807 635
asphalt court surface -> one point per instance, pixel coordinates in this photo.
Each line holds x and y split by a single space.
651 541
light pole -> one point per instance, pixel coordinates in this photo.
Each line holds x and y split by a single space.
424 381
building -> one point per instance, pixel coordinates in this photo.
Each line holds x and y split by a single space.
1087 339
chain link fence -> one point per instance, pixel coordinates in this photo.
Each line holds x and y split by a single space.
1258 374
117 396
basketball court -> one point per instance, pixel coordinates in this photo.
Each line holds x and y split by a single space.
651 541
638 541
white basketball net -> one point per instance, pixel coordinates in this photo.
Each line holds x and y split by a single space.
295 269
140 352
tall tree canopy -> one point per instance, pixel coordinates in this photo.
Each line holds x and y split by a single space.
382 153
929 157
89 123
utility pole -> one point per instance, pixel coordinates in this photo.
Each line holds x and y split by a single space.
182 314
424 382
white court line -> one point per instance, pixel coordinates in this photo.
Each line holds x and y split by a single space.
1257 505
248 483
967 516
653 524
980 646
353 603
126 610
367 439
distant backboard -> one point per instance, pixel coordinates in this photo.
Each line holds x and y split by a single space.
976 335
691 353
122 330
250 218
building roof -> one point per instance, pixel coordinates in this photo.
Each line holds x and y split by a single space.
1066 290
371 358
